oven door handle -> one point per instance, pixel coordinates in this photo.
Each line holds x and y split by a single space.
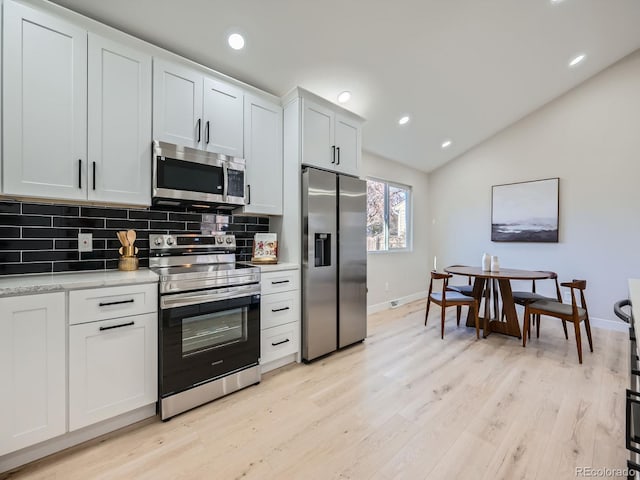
193 298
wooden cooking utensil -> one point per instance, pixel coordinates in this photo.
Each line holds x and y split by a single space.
122 237
131 236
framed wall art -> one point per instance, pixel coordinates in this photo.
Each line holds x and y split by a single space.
525 211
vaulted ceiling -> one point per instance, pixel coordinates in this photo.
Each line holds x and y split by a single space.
461 69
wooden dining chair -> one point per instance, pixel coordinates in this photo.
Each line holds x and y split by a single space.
448 298
486 294
524 298
563 311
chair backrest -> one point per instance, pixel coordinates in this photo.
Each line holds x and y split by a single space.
579 285
460 274
439 276
552 276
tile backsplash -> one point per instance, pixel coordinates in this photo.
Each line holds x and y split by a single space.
39 237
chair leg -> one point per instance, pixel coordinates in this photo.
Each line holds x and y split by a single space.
588 328
578 340
458 312
442 322
564 326
526 326
427 314
475 314
538 327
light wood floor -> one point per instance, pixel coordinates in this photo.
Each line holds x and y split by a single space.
403 405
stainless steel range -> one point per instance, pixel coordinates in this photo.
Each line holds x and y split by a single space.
209 326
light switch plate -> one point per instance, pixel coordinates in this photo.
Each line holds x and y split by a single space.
85 242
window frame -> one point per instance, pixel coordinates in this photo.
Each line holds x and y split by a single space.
409 216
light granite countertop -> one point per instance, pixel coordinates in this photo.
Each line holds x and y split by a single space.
28 284
277 267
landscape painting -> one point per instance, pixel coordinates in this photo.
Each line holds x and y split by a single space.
525 212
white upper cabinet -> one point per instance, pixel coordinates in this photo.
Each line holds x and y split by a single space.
348 138
317 135
119 139
45 105
77 112
331 137
32 369
193 110
223 114
263 153
177 104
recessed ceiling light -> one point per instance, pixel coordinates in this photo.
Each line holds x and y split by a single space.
446 144
236 41
576 60
404 120
556 1
344 97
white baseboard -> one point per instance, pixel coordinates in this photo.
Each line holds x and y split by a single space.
605 324
379 307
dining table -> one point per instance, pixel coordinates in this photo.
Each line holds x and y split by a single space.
482 287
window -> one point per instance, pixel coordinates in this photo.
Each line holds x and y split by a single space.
388 216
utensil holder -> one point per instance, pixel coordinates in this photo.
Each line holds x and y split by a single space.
128 260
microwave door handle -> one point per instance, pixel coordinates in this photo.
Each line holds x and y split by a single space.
225 181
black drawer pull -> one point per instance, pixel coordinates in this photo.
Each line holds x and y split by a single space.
117 326
280 343
279 282
106 304
274 310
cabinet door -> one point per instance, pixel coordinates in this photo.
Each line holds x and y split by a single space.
223 113
45 105
32 369
263 153
317 135
119 123
112 368
347 137
177 104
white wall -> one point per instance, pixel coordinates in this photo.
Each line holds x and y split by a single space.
406 272
590 138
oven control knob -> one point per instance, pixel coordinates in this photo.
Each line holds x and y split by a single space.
219 240
158 241
229 240
169 241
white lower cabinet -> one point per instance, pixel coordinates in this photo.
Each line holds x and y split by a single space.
112 368
279 318
32 369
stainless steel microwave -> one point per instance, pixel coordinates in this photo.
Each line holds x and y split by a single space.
186 177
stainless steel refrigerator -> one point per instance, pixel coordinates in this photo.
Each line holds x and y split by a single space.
334 262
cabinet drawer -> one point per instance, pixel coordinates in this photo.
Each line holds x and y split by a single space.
112 302
278 342
274 282
279 308
112 368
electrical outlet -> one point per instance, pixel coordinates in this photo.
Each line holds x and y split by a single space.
386 286
85 242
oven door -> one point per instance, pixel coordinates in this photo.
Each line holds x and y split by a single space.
200 342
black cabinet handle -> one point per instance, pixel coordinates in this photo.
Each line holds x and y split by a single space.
117 326
279 309
280 343
338 150
198 127
279 282
248 194
206 133
80 173
106 304
94 175
333 160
